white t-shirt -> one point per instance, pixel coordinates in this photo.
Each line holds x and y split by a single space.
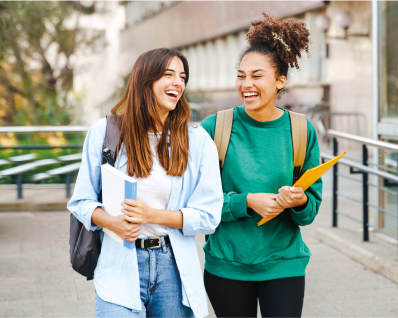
154 190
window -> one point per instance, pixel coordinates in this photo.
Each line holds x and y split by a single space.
389 59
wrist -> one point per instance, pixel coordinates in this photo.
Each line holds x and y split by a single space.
109 223
305 199
99 217
248 200
151 216
303 203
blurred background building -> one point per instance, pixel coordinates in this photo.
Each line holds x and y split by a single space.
99 78
336 78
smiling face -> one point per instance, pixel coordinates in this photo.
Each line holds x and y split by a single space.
169 88
257 82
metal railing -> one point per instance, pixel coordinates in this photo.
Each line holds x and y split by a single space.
28 162
363 169
354 123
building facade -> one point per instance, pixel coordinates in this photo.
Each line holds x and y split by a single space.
386 101
97 79
335 78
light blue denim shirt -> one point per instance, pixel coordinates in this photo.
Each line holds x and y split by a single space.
198 194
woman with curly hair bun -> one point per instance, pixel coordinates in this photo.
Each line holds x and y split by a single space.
246 263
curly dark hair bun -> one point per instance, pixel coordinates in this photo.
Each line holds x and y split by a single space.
288 38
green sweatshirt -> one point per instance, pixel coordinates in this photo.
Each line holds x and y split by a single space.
260 160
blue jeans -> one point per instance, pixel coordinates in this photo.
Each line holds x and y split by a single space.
160 284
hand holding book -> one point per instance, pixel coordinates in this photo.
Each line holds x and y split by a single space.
270 205
290 197
116 187
137 211
310 177
264 204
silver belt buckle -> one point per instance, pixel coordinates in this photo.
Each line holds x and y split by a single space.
160 242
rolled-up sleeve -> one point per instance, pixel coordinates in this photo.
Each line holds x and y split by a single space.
88 184
202 213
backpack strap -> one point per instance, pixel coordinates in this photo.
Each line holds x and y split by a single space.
222 133
298 124
110 144
111 140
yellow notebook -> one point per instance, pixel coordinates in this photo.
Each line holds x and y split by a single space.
309 177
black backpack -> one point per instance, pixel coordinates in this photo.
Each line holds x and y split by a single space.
85 246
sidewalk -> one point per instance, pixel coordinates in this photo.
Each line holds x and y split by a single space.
336 285
37 281
35 197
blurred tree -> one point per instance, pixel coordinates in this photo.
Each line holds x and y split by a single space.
38 40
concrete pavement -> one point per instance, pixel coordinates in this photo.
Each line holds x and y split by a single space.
37 281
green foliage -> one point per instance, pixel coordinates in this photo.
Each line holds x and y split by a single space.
37 41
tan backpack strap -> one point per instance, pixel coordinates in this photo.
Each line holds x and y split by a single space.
222 133
298 123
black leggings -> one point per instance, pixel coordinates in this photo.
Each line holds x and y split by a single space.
234 298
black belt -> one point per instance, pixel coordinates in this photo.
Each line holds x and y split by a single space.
152 242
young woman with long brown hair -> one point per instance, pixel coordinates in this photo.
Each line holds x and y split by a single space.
179 195
248 264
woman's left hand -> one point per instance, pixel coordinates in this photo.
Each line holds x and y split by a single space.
291 197
136 211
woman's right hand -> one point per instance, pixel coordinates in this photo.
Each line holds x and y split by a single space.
118 224
264 204
125 230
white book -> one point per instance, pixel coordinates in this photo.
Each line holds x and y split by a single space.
116 186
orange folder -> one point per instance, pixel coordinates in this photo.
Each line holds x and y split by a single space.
309 178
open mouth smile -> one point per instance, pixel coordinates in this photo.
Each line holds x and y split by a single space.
173 95
249 97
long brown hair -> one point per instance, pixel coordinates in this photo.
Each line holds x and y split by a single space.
138 114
